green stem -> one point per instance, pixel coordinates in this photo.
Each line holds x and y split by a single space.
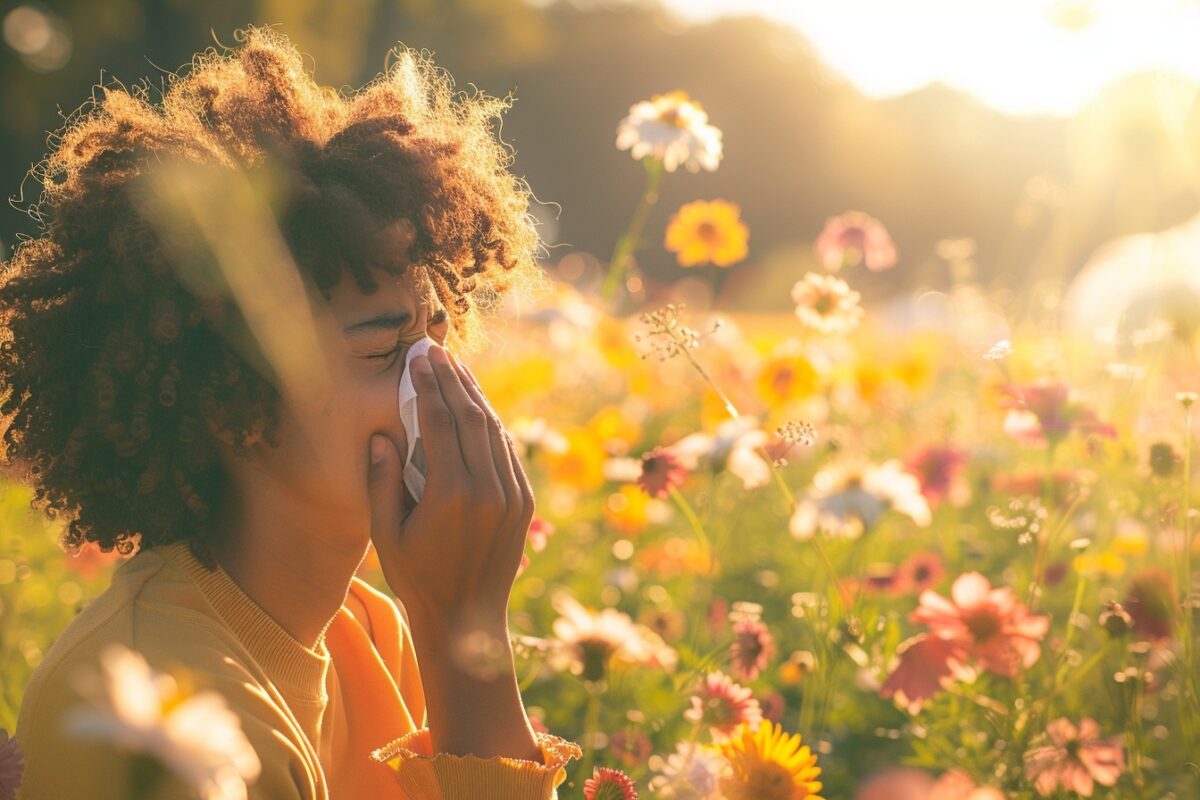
144 774
591 725
628 242
783 487
1189 618
688 512
1060 669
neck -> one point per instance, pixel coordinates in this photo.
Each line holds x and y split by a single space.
288 560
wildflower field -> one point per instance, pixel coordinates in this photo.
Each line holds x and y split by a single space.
941 547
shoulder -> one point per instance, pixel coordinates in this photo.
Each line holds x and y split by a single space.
153 609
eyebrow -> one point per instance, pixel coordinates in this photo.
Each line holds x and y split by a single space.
386 322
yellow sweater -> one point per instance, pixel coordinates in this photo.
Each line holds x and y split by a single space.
338 722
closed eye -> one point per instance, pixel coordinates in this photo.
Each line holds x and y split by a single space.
437 318
400 346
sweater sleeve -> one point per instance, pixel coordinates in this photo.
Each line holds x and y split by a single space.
424 775
59 765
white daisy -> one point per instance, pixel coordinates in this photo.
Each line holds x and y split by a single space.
690 773
587 640
734 446
848 501
672 128
197 736
826 304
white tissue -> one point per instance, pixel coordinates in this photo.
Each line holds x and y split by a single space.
414 463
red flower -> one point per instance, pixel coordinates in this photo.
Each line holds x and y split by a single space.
921 571
753 648
990 624
722 705
1077 759
609 784
940 470
980 624
1049 401
1151 602
661 471
855 237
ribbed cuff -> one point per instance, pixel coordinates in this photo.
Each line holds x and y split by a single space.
424 775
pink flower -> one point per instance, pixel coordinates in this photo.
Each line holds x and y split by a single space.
661 471
855 237
940 469
609 784
880 578
12 765
895 783
1078 758
978 624
539 531
921 571
1045 410
926 664
723 705
956 784
753 648
991 626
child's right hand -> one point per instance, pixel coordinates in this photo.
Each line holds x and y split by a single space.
451 559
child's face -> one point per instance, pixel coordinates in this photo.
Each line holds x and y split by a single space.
319 470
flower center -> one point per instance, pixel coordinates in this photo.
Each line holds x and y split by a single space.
670 116
594 654
763 782
707 231
983 625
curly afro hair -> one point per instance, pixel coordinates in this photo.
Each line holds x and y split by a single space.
119 375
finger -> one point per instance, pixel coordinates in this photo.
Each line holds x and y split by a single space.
444 465
510 447
520 481
527 501
386 490
500 452
471 422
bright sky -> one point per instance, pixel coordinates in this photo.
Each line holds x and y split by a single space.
1009 53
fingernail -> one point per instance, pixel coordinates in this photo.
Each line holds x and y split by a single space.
377 448
421 364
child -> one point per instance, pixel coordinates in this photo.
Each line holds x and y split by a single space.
200 354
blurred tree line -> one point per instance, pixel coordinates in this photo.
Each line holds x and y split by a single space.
1037 194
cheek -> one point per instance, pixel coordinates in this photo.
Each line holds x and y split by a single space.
372 406
326 454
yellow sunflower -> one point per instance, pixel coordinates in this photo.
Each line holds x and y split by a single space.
768 764
707 232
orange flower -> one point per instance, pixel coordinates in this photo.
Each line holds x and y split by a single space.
704 231
786 378
625 509
581 463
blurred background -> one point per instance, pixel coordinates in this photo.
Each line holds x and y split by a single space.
1036 129
1037 165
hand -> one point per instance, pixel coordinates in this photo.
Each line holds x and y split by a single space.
453 557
